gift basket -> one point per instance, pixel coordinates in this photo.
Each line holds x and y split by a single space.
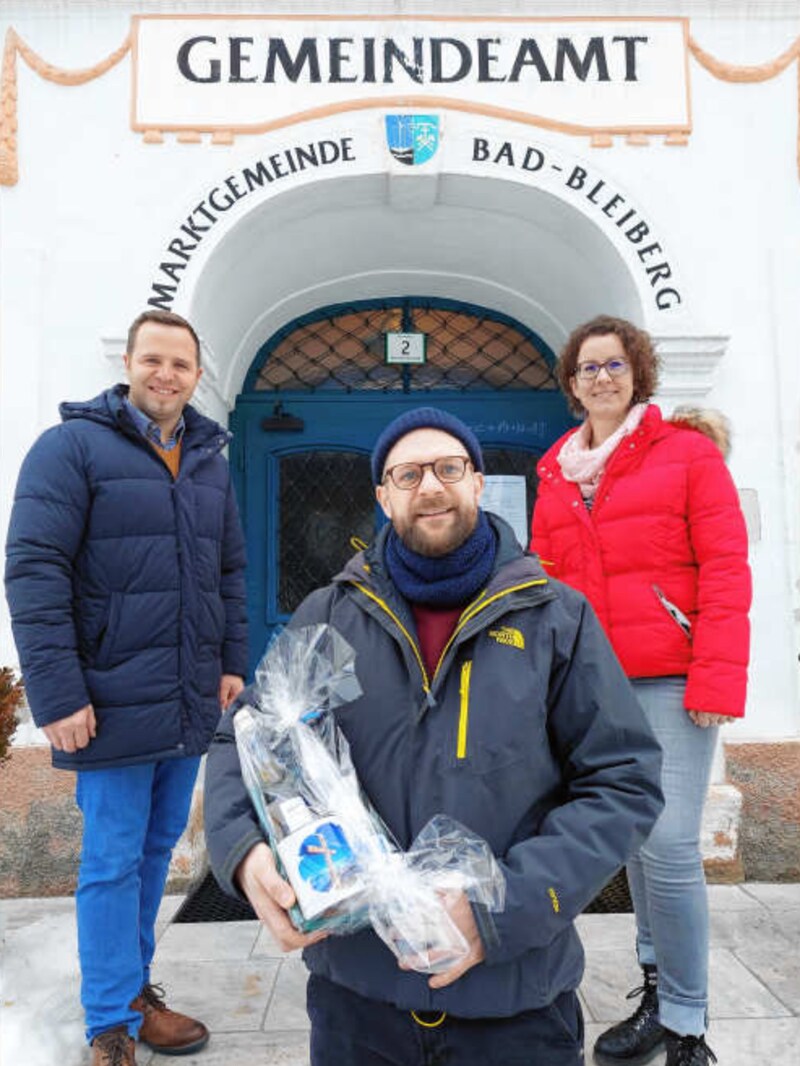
346 869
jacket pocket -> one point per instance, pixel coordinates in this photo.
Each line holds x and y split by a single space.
675 613
108 633
91 622
463 714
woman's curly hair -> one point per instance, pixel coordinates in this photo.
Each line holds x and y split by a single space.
639 351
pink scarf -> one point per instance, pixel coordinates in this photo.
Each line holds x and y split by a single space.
586 465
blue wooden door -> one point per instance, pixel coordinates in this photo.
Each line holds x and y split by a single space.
301 469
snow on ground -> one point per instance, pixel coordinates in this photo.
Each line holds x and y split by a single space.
41 1021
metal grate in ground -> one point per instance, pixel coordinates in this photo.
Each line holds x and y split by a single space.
208 903
614 899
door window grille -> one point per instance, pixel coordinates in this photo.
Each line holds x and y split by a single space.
325 498
466 349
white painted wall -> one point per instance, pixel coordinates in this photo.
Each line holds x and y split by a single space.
84 230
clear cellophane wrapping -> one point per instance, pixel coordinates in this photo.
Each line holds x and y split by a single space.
346 869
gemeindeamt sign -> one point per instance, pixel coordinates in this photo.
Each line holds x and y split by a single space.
257 73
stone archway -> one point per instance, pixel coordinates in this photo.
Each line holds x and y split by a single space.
492 242
496 241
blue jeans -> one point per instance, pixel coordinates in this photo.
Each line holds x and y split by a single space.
132 819
349 1030
666 876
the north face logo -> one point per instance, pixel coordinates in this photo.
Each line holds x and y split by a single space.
508 635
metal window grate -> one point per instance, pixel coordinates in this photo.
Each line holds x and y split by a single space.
326 499
344 351
208 903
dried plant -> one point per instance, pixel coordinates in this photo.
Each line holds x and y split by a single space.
12 694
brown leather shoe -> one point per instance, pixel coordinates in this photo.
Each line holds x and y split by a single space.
114 1048
165 1030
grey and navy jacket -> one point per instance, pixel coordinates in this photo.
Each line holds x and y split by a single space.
126 587
528 733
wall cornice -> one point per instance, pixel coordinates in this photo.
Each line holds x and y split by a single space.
687 365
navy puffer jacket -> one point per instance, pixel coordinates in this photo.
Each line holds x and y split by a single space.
126 587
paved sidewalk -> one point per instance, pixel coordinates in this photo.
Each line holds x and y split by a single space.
252 997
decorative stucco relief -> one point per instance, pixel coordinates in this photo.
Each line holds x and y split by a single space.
14 45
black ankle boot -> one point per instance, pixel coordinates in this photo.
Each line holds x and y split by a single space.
688 1050
637 1039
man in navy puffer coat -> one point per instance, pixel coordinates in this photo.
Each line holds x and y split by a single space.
125 581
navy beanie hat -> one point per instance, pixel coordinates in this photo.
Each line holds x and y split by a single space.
423 418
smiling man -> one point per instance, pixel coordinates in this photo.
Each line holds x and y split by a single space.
490 694
125 582
436 509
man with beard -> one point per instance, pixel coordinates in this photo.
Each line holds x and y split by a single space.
490 694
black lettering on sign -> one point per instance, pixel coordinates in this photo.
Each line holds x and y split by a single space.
453 68
596 192
237 57
181 248
480 150
171 270
221 198
505 155
486 59
630 54
220 201
529 55
307 55
593 194
612 203
534 159
422 61
637 232
576 178
338 58
667 298
595 55
256 176
164 295
211 71
393 52
648 250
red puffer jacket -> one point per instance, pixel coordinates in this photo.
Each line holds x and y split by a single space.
666 531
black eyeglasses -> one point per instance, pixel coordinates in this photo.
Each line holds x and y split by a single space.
615 368
448 470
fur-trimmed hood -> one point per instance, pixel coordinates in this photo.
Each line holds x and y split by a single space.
707 420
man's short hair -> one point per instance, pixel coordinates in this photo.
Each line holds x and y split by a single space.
163 318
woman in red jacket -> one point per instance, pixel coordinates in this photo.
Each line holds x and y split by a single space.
642 516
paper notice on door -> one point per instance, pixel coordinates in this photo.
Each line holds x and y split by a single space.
505 495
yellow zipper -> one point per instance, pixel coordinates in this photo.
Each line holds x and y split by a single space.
463 717
476 606
381 603
467 615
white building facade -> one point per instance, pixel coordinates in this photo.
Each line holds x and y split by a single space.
302 180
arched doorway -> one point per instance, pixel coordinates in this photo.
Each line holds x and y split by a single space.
493 247
317 396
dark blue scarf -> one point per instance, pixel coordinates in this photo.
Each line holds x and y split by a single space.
445 580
